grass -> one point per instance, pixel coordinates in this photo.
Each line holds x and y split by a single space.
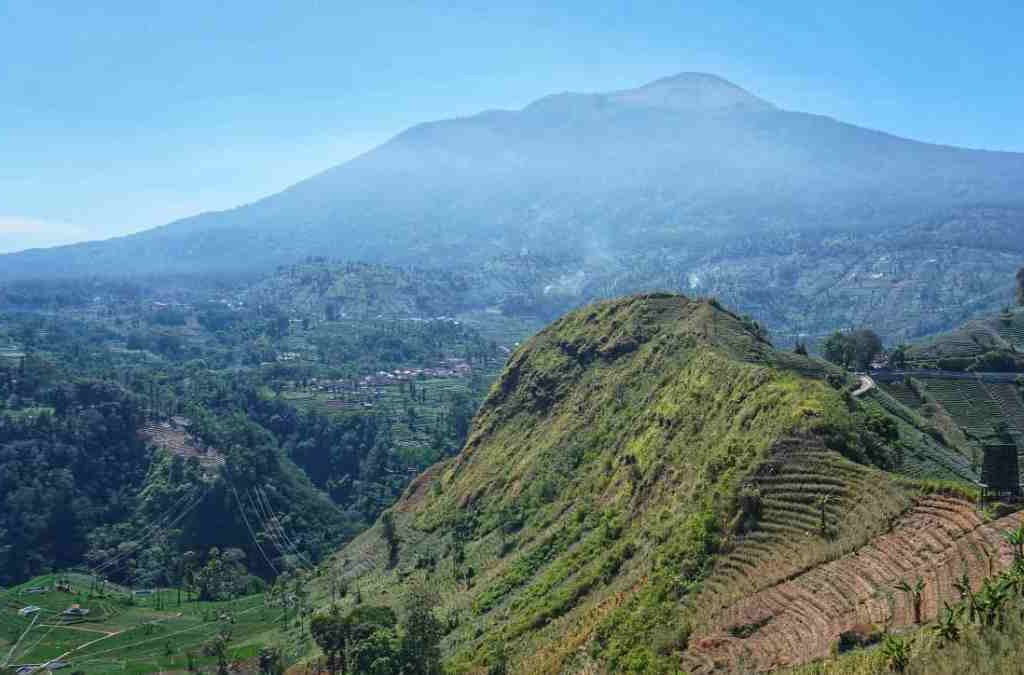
125 635
617 440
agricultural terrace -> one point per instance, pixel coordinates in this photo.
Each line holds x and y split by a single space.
129 632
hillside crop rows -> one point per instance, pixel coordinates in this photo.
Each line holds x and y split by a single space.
798 620
1010 403
903 393
967 402
794 487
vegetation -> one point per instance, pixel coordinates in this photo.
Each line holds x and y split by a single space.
87 482
137 633
602 477
978 634
986 344
856 349
628 464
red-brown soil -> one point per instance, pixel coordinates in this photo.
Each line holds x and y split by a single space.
799 619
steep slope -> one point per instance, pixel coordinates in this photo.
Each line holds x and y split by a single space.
632 463
987 343
799 619
666 165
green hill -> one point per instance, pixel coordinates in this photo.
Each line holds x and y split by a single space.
989 343
622 461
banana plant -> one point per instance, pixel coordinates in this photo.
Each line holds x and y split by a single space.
967 596
948 627
916 594
991 601
1014 579
896 652
1015 538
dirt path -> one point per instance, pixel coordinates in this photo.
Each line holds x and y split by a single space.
81 628
866 385
68 653
799 620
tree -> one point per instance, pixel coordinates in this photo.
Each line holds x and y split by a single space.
271 661
223 577
330 632
834 349
218 648
948 627
421 633
390 537
991 601
855 349
363 641
963 587
866 346
1015 538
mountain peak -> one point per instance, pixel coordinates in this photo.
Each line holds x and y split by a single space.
691 91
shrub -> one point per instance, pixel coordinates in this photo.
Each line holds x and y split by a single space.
858 637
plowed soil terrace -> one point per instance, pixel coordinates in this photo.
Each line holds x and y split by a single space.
797 620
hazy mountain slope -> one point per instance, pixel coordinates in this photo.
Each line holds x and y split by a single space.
671 164
967 346
605 475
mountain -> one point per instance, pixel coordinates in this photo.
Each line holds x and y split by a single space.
689 183
643 475
672 165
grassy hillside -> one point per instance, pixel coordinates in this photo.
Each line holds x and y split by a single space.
990 343
129 634
620 459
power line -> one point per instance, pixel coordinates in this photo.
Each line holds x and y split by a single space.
152 530
245 518
267 530
152 527
277 523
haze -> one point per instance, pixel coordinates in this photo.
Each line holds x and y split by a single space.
114 119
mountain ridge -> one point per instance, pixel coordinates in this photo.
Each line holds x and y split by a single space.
691 150
605 478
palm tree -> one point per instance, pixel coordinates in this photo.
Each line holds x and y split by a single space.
916 595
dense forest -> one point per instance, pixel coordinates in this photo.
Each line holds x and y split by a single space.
283 434
70 460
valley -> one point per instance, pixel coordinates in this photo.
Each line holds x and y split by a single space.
665 379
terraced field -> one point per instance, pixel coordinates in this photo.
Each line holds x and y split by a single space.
122 635
794 486
1010 403
922 455
1012 332
799 618
968 403
903 393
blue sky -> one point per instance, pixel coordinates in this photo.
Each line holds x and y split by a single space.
118 116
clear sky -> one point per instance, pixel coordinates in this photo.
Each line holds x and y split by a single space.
118 116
